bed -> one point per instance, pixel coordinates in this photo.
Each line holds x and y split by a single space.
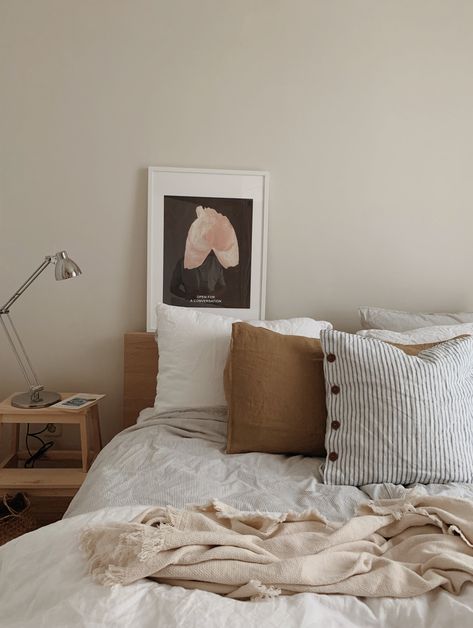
179 459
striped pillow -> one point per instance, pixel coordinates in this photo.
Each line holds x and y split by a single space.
397 418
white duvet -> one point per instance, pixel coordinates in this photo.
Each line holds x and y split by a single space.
180 460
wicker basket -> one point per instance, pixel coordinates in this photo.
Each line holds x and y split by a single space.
15 518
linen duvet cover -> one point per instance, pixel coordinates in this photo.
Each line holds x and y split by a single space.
179 460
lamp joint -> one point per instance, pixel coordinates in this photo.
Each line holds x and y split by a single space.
34 391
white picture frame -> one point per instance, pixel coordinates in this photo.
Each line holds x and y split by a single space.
241 200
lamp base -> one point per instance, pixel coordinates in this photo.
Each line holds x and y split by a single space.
46 398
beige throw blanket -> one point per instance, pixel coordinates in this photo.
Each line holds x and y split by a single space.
395 548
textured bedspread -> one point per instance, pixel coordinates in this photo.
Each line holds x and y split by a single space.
390 548
179 460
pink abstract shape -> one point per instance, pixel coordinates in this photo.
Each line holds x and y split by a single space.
211 231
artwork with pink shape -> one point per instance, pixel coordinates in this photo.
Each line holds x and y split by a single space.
207 251
211 231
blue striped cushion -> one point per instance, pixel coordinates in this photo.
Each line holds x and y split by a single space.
397 418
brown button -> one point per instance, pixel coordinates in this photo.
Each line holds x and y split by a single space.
333 456
335 389
335 425
331 357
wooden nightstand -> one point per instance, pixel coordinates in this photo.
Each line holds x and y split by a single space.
54 486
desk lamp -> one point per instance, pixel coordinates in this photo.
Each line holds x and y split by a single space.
36 397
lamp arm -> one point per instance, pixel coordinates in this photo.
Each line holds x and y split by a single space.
6 308
13 336
20 353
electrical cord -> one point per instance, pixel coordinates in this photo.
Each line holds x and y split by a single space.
45 445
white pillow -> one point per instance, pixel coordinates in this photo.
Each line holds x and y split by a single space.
396 320
438 333
193 348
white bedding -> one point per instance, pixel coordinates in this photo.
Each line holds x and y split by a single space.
179 460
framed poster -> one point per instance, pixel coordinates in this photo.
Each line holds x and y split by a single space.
207 241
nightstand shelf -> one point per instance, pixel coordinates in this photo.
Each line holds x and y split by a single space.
42 482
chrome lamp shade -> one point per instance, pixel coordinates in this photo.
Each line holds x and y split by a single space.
65 267
36 397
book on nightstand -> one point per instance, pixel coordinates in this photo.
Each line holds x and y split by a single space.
79 400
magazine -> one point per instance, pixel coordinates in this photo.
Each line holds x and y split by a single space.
79 400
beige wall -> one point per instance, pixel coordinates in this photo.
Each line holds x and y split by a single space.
362 110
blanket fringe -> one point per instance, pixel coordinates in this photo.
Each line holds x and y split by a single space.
455 531
113 576
263 591
87 541
224 511
397 509
149 547
143 543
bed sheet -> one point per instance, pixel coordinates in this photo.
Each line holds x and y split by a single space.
179 459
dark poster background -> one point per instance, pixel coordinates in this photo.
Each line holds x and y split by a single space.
210 285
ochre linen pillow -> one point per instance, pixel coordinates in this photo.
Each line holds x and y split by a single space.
275 390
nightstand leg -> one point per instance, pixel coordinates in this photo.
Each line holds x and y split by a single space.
13 449
94 411
5 460
84 443
15 440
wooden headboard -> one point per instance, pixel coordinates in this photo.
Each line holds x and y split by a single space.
140 371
